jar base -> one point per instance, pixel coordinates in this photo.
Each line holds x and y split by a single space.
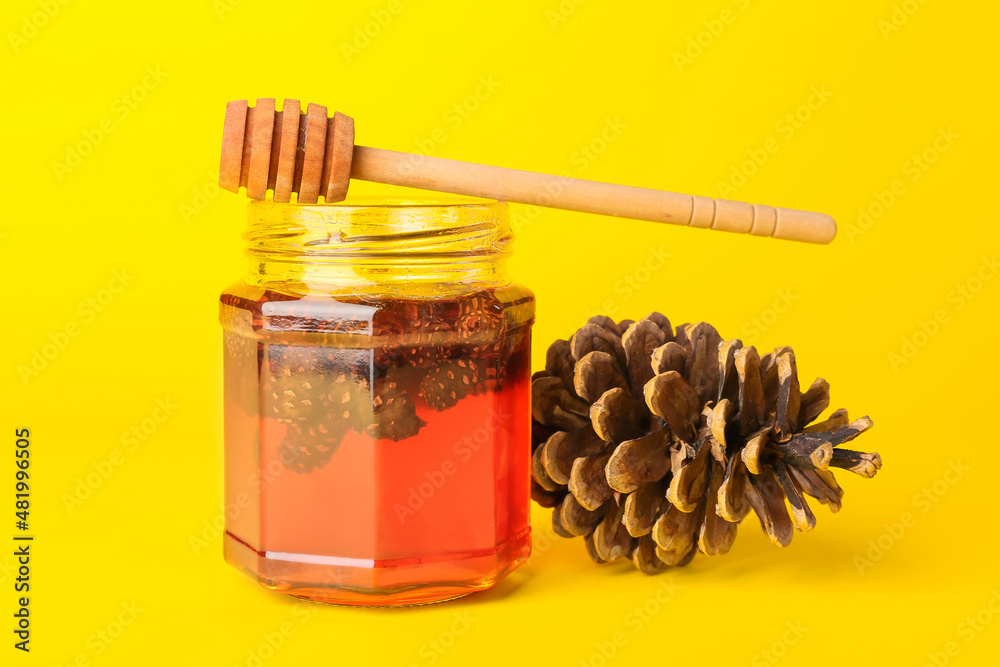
400 582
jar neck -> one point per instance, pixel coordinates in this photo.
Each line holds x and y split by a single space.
379 246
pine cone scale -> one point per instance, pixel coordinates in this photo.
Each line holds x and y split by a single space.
653 443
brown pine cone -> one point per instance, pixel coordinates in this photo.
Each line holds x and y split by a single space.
449 382
318 394
395 415
435 330
654 444
304 449
441 350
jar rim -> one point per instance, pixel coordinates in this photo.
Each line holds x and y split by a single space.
452 237
384 216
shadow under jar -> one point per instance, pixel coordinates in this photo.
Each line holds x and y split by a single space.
377 401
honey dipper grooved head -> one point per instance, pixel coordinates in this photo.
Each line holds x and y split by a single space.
286 151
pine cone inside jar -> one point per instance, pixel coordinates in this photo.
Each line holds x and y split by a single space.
434 351
448 382
394 416
653 444
320 398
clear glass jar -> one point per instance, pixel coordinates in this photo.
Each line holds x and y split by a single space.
377 401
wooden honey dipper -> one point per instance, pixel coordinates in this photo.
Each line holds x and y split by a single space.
312 155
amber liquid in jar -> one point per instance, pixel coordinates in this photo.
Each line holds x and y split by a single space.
377 446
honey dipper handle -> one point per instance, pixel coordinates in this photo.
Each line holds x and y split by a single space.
574 194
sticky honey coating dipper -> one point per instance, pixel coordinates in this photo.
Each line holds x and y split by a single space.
313 155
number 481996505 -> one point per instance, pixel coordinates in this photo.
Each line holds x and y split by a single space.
22 495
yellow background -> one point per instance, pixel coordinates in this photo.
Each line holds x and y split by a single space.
143 202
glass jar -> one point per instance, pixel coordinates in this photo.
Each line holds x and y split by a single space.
377 401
